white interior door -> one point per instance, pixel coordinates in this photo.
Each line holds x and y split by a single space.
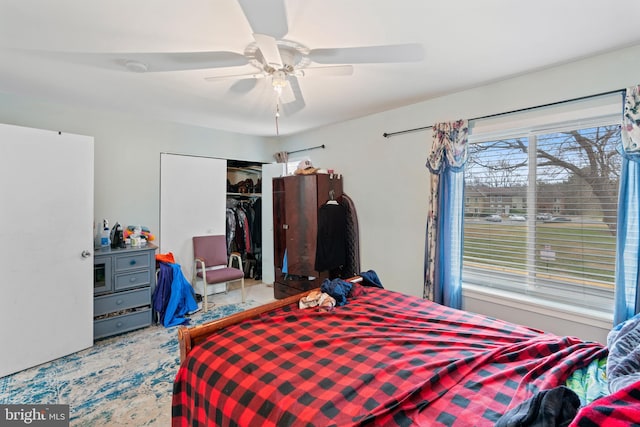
46 223
192 203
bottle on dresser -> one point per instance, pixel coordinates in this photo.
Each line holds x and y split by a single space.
105 238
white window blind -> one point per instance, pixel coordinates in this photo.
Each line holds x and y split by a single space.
587 112
541 203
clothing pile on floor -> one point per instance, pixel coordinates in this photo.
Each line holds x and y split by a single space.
173 297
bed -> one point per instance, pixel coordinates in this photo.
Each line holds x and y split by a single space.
383 358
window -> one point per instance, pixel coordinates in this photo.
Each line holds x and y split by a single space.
556 240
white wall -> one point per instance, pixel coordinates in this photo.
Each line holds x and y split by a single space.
387 178
127 153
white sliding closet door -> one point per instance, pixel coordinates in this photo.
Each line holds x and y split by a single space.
46 230
192 203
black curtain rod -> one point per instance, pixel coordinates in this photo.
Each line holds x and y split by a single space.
489 116
306 149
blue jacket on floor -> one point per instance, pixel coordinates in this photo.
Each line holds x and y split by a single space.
181 301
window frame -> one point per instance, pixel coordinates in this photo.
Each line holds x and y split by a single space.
604 111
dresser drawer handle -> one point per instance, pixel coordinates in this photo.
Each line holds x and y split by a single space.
119 301
133 279
119 324
132 262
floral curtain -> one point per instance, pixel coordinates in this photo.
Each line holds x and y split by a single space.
628 242
444 238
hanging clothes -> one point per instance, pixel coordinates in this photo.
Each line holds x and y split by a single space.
247 231
331 238
244 233
352 262
231 228
240 238
256 228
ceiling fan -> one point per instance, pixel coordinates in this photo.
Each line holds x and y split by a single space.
275 58
282 61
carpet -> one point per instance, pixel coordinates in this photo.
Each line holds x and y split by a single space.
125 380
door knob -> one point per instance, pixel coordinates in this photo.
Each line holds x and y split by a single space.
86 254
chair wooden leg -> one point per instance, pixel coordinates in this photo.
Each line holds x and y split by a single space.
243 291
194 281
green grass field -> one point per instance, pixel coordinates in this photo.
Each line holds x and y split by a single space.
582 253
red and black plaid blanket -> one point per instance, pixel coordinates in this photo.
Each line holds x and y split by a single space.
620 409
385 358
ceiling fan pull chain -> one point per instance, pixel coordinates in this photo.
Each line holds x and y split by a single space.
277 116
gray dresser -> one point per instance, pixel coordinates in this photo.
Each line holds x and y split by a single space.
123 282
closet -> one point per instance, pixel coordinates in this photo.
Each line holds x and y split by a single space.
244 215
297 200
195 192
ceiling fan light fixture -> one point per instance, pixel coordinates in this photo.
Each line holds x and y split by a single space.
279 81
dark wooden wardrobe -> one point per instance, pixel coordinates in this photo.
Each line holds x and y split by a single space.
296 200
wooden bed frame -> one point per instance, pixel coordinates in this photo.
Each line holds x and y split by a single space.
191 336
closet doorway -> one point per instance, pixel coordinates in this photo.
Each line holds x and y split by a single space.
195 193
192 203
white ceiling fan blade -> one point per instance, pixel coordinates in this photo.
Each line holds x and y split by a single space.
269 49
332 70
150 62
266 16
181 61
412 52
287 95
235 77
297 103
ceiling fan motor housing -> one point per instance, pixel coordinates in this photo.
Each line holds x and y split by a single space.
293 55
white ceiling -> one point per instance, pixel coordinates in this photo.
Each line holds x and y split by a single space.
71 51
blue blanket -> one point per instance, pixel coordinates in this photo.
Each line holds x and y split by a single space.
623 363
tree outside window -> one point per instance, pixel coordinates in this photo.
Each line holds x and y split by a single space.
557 239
